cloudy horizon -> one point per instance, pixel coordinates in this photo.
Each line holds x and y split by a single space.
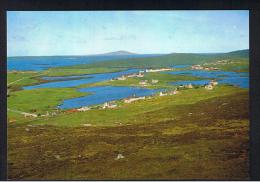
45 33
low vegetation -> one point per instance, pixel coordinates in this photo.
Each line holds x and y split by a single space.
39 101
203 139
78 70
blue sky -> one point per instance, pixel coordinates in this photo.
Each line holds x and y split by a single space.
39 33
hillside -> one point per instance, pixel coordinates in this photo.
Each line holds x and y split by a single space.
171 59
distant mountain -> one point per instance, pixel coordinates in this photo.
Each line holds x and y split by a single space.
118 53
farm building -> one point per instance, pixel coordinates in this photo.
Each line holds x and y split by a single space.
129 100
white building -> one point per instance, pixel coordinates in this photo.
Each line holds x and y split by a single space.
109 105
189 86
155 81
162 94
133 99
143 82
209 87
213 82
122 78
158 70
82 109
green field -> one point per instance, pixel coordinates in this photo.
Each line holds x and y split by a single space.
74 70
195 134
159 141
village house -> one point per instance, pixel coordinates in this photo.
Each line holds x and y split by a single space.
129 100
155 81
213 83
29 115
109 105
210 68
224 61
158 70
139 75
131 75
162 94
209 87
83 109
197 67
143 82
121 78
189 86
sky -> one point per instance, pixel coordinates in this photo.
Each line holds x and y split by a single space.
48 33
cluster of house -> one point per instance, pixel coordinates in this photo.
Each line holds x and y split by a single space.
83 109
109 105
29 115
106 105
199 67
140 74
145 82
172 92
158 70
36 115
32 115
224 61
211 85
129 100
186 86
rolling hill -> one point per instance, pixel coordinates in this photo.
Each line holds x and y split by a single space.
171 59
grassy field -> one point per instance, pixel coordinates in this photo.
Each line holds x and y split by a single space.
15 80
38 101
205 138
75 70
132 113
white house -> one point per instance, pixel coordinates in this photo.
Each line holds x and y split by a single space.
129 100
82 109
162 94
213 82
155 81
189 86
209 87
109 105
122 78
143 82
